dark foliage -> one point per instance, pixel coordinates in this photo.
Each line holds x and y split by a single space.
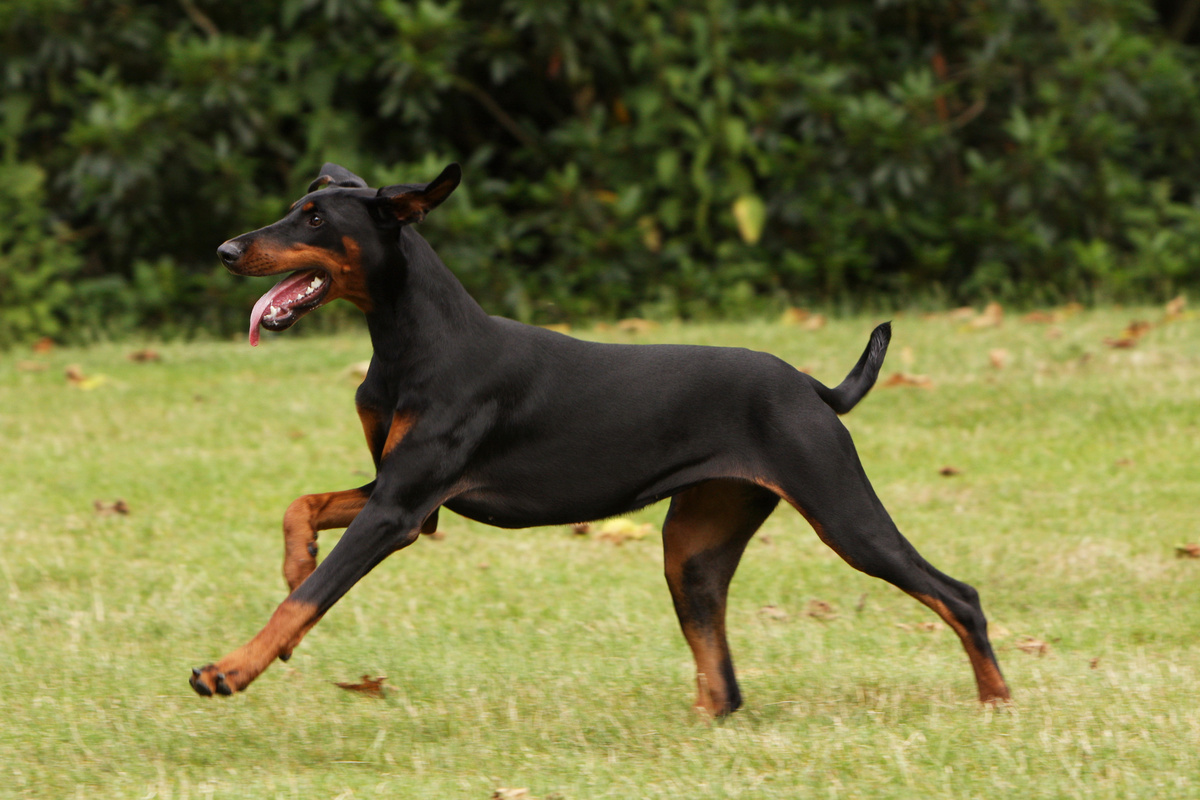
621 156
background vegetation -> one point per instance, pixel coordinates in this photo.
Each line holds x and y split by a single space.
622 156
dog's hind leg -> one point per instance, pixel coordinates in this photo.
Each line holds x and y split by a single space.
838 501
704 535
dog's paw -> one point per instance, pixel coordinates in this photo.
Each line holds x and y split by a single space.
208 680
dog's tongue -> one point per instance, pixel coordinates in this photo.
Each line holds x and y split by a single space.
279 299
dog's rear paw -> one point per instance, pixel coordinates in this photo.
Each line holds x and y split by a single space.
208 680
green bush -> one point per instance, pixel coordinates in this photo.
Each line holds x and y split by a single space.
622 156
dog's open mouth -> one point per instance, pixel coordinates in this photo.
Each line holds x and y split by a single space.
288 301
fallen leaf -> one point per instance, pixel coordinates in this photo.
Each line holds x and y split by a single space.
992 316
636 325
819 609
511 794
1136 329
1029 644
1190 550
773 612
1176 307
949 471
962 314
371 687
107 508
998 357
1040 317
814 323
794 316
43 345
1094 663
620 530
1123 343
144 356
905 379
75 377
581 528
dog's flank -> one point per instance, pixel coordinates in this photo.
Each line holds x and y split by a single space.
518 426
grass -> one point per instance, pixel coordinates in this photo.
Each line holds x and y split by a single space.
552 662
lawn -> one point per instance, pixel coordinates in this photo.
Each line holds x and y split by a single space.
1055 472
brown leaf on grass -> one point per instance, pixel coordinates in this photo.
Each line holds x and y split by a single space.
1122 343
504 793
1189 550
998 358
949 471
1176 307
581 528
106 508
1042 317
76 378
962 314
794 316
819 609
371 687
905 379
1094 663
992 317
814 323
1137 328
1033 646
773 612
144 356
636 325
43 345
618 531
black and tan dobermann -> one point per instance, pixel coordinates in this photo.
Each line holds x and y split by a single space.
518 426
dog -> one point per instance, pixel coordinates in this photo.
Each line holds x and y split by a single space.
517 426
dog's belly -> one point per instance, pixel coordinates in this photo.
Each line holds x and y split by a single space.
570 496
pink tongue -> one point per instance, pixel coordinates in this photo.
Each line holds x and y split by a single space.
282 294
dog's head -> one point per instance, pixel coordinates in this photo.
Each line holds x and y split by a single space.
328 242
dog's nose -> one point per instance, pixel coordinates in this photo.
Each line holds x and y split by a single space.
229 253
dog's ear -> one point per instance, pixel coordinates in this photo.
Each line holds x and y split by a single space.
333 175
407 204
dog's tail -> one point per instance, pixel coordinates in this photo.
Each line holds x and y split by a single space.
846 394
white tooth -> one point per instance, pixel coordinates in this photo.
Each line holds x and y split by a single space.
316 282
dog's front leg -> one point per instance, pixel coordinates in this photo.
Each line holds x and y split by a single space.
380 529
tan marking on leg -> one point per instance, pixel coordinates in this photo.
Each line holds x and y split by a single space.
402 422
988 679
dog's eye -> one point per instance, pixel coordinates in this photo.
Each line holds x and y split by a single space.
315 221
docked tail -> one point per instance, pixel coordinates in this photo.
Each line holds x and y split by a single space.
860 380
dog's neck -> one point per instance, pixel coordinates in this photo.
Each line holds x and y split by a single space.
420 308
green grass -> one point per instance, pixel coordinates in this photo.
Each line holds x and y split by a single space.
542 660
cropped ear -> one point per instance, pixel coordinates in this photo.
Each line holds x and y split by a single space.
333 175
407 204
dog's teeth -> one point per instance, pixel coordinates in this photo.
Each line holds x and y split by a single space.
316 283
